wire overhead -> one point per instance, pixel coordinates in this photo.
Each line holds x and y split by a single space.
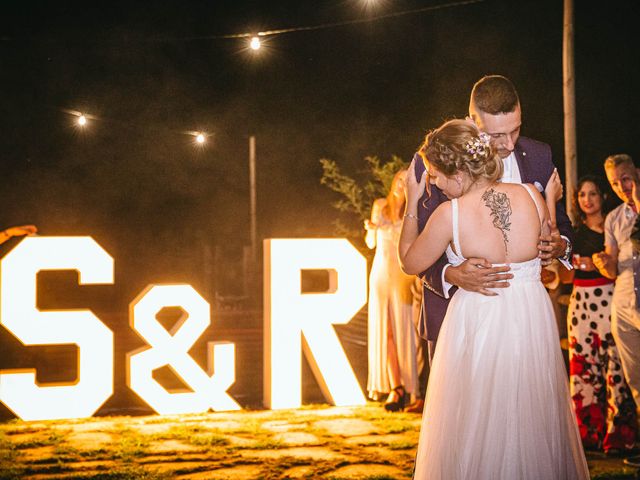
280 31
335 24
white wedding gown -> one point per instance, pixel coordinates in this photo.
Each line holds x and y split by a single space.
498 403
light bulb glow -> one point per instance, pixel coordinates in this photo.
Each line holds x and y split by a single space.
255 43
82 120
200 138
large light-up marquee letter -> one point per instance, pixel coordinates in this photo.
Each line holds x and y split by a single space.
290 315
18 313
208 389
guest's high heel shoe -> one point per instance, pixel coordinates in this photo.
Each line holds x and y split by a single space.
396 406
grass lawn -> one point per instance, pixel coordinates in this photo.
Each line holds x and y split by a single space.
313 442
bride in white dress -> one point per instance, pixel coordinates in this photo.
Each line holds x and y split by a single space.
497 403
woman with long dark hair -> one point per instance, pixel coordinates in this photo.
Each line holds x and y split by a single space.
603 404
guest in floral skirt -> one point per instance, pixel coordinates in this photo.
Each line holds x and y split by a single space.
604 407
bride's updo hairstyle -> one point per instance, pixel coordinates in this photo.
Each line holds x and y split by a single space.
458 146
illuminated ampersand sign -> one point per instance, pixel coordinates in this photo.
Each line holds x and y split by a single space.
19 314
291 315
208 389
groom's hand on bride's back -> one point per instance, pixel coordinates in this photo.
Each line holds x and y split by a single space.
478 275
551 245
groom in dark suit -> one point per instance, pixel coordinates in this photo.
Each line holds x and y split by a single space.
495 108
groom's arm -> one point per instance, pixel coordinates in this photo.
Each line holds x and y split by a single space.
473 275
433 278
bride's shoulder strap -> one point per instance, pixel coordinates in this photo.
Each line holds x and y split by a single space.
528 187
454 225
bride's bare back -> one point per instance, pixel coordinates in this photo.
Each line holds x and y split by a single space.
501 224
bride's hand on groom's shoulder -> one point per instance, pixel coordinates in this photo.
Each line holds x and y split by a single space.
554 189
478 275
413 187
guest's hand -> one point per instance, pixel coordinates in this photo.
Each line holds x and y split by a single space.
602 261
478 275
554 188
21 230
551 246
583 263
414 189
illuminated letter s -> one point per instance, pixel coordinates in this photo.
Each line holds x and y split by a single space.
19 314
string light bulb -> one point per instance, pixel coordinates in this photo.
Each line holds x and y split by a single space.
200 138
255 43
82 120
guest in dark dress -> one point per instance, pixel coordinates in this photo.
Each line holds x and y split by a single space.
602 401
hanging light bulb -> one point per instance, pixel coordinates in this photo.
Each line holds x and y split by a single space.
200 138
255 43
82 120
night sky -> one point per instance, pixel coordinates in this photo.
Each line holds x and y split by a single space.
135 181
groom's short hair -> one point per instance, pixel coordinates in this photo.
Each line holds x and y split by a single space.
494 94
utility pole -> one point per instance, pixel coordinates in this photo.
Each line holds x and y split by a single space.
569 101
252 195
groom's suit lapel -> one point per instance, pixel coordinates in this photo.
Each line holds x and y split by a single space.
529 166
523 164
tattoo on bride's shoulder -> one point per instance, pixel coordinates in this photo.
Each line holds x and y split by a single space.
500 207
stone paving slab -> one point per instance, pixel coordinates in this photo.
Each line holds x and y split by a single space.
33 454
364 471
375 439
172 446
301 471
297 438
89 440
314 453
346 427
244 472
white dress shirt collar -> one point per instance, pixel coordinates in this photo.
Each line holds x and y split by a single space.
511 172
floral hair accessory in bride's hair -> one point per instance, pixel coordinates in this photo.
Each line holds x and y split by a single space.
479 146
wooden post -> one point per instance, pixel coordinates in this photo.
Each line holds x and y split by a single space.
568 79
252 190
